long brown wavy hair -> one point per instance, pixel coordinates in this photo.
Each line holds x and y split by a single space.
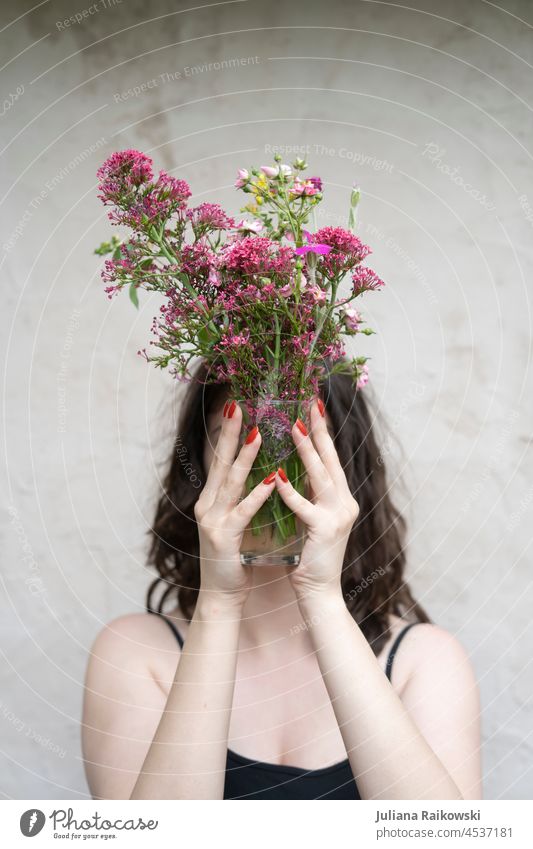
373 571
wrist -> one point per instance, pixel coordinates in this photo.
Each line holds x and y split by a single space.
214 605
312 600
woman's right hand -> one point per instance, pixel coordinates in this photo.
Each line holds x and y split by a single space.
220 514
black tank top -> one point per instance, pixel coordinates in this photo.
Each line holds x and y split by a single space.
249 779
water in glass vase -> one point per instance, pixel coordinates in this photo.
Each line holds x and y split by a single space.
275 536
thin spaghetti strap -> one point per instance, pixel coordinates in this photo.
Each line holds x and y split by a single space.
171 626
394 648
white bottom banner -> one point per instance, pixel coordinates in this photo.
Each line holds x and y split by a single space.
315 824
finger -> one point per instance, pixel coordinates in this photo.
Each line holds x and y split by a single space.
226 447
294 501
248 507
231 488
326 447
319 477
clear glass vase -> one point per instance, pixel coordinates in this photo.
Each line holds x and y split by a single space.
275 536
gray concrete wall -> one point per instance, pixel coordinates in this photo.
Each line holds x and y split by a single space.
429 109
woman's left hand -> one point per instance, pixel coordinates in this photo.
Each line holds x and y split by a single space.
329 515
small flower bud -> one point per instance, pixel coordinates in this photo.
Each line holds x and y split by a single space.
299 164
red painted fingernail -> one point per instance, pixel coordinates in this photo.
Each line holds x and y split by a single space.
251 436
320 405
231 409
283 476
301 427
269 478
225 410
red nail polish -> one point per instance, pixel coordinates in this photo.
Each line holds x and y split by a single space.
321 408
251 436
269 478
225 410
231 409
283 476
301 427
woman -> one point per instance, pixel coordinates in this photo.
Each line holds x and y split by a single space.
280 683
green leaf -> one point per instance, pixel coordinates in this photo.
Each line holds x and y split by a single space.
204 335
134 298
103 248
112 246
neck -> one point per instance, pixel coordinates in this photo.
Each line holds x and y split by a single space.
271 612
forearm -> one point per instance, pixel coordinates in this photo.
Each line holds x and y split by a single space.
389 757
187 757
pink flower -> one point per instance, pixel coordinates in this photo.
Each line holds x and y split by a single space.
308 187
231 289
351 318
235 340
346 250
160 201
112 290
249 226
171 189
256 255
213 278
288 289
127 183
209 216
198 262
342 241
365 280
302 343
316 294
363 378
242 178
275 170
312 246
122 173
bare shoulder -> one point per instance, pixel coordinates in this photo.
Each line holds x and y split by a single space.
132 636
431 643
435 680
428 651
129 672
132 654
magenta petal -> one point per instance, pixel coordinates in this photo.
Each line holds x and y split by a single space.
313 249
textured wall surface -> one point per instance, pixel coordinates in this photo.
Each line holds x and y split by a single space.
428 108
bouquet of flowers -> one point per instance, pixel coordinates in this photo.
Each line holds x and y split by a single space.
258 299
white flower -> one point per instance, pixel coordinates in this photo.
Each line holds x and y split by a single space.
250 226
